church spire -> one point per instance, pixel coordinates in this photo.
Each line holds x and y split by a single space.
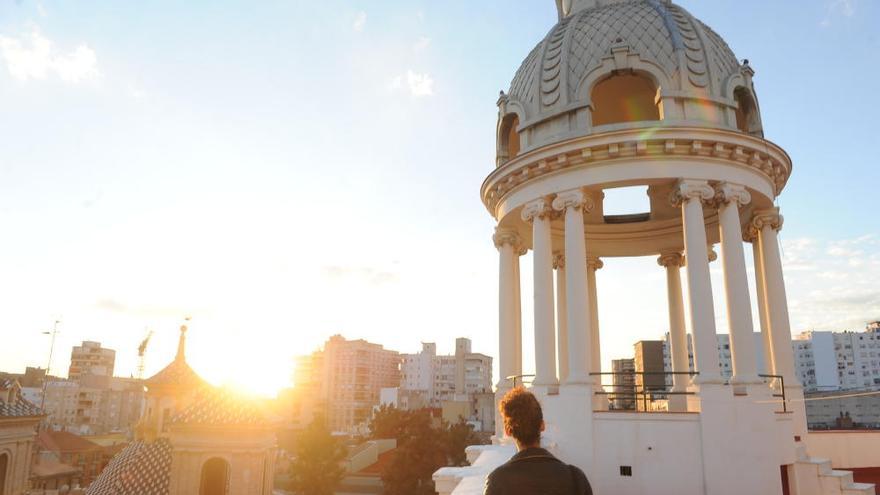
181 345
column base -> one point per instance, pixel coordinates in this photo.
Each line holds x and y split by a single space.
745 379
705 379
579 379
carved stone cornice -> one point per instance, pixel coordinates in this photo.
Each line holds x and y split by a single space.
667 260
708 145
687 189
594 263
769 217
576 198
558 261
507 236
540 208
725 193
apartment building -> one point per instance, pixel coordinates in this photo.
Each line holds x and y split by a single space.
455 377
828 361
343 382
91 358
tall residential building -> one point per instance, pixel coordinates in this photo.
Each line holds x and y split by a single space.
725 361
456 377
91 358
343 381
623 384
828 361
649 365
94 405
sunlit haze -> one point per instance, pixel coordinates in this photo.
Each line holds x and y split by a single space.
285 171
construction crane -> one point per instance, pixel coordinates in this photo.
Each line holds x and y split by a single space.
142 351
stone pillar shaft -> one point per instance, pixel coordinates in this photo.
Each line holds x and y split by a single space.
572 204
561 317
678 348
736 285
507 243
538 213
691 194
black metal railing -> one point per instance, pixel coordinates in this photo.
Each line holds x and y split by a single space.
521 378
780 395
627 396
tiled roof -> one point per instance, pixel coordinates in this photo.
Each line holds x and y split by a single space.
52 469
218 407
18 408
64 441
177 373
143 468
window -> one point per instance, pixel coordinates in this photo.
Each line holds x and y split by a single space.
4 465
627 97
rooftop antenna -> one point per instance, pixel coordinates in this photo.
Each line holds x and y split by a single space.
54 333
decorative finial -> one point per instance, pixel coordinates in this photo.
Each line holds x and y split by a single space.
181 345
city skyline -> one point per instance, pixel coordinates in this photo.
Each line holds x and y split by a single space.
153 180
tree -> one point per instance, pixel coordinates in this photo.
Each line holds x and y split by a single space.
421 452
317 468
459 436
389 422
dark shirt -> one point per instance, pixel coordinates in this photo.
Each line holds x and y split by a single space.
535 471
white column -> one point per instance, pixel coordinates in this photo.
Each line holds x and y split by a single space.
572 204
736 285
507 241
561 317
767 223
518 360
678 348
594 264
690 194
538 213
761 299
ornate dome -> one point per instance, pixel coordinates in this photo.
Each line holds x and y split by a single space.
683 60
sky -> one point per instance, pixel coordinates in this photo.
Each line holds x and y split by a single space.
282 171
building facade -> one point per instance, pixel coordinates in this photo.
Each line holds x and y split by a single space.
91 358
456 377
92 405
843 410
343 381
828 361
18 426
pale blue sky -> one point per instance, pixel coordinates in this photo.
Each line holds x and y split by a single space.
287 170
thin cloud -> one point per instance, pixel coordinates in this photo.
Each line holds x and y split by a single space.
360 22
367 274
34 57
835 8
418 85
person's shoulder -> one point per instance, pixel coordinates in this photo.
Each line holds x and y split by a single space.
583 484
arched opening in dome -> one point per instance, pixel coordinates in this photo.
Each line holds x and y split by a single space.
746 112
508 136
626 97
215 477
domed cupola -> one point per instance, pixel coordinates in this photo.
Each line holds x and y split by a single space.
612 64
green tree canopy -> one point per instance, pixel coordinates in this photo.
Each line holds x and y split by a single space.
317 468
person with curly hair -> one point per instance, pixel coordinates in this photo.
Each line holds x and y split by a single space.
533 470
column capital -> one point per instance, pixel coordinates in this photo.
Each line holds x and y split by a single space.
594 263
539 208
507 236
687 189
667 260
726 192
576 198
558 261
769 217
711 255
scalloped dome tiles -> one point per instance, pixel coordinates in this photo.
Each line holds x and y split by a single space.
692 56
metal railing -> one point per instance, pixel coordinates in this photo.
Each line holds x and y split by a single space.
643 393
521 378
780 395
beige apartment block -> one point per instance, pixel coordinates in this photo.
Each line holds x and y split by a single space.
343 381
91 358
